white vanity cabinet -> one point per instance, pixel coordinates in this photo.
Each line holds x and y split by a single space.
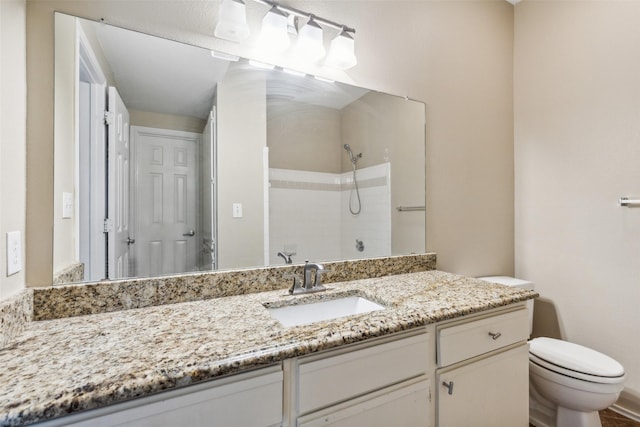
471 371
483 370
380 383
252 399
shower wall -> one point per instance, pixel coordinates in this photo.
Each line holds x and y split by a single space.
309 214
373 225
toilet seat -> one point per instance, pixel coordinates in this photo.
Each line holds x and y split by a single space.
575 361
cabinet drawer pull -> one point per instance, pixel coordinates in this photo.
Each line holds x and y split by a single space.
449 386
495 335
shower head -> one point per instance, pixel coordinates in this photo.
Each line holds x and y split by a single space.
354 159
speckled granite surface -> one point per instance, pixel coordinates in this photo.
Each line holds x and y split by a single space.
66 365
15 314
102 297
71 274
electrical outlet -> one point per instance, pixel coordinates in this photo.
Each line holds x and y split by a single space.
14 252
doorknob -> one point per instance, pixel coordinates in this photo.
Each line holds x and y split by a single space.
130 241
190 233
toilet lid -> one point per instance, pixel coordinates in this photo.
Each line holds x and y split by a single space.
575 357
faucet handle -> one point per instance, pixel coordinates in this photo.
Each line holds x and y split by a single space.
295 286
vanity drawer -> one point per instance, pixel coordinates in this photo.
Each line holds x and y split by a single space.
404 404
461 341
335 379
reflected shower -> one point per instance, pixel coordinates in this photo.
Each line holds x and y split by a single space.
354 189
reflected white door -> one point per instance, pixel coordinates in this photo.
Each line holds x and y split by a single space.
166 201
118 187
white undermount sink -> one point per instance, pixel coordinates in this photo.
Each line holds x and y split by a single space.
304 314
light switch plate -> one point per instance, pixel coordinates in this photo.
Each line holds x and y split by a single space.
237 210
67 205
14 252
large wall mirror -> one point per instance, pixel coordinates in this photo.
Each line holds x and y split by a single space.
171 158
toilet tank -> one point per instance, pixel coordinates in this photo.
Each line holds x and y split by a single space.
518 283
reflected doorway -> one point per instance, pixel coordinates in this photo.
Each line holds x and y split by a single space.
165 214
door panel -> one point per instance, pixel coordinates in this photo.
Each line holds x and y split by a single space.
167 199
180 198
118 182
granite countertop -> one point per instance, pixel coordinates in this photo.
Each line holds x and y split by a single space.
62 366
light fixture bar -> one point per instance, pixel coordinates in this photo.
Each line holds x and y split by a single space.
302 14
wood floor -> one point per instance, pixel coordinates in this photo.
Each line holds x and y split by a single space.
613 419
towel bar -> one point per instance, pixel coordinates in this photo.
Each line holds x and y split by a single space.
625 201
410 208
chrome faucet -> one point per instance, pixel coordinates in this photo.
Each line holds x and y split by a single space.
286 256
317 279
311 282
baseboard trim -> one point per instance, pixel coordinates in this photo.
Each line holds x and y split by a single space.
628 404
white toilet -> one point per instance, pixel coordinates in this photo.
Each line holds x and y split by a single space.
568 383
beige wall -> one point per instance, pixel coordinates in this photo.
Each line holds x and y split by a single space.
64 242
577 150
166 121
13 92
454 55
240 168
304 137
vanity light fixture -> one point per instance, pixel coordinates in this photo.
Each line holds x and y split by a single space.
232 21
310 44
342 52
274 36
280 20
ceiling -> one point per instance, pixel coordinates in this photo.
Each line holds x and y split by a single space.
164 76
160 75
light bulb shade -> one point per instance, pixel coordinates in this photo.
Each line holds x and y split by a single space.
342 52
232 21
310 45
274 36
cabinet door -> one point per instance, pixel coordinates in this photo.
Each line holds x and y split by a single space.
400 406
489 392
249 400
